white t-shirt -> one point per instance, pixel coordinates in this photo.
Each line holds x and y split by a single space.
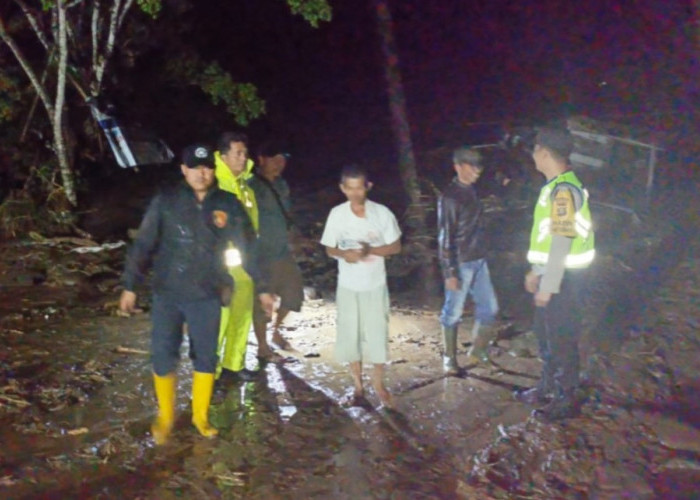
345 230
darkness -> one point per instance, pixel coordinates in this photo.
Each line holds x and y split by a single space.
630 61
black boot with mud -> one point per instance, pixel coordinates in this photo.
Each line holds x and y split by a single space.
532 396
540 394
230 376
560 408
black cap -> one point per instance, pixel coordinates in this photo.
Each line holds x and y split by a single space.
198 154
558 140
271 148
468 155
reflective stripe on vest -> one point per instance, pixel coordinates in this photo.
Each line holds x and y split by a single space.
572 261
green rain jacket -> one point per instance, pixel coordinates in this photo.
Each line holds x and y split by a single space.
238 185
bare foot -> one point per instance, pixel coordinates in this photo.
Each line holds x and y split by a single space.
385 397
357 398
281 342
269 356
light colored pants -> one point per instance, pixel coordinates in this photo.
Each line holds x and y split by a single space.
362 325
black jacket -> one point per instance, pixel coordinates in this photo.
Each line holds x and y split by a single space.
185 243
460 237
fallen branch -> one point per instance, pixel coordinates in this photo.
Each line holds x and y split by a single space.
77 432
19 402
129 350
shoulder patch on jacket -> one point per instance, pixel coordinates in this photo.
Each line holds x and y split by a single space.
563 214
219 218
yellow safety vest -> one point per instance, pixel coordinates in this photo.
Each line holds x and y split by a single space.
582 250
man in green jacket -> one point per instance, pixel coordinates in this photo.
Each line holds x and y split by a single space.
232 170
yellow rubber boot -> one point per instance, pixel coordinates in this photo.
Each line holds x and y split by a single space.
165 393
202 388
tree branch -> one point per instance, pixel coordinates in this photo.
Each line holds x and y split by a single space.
117 13
62 63
34 24
32 109
126 8
95 28
58 135
101 60
19 55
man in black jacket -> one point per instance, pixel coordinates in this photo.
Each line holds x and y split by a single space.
190 233
462 255
276 259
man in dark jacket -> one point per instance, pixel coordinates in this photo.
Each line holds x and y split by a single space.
189 234
463 261
276 259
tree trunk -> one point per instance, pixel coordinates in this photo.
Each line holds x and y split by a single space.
417 213
67 175
696 23
397 103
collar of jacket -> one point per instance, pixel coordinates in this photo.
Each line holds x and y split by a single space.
227 180
237 185
461 185
187 190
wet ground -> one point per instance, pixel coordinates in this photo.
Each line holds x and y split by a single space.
76 399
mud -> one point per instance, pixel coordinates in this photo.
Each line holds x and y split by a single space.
76 399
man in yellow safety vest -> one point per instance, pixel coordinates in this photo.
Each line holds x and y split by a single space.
561 248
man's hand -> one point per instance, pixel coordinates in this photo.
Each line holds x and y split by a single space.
267 302
365 249
452 284
532 282
127 302
353 255
542 299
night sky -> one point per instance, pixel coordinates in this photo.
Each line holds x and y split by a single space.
462 62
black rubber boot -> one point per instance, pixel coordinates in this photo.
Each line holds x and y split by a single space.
541 393
481 338
532 396
565 404
562 407
449 358
244 375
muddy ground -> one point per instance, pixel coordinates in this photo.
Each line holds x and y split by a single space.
76 399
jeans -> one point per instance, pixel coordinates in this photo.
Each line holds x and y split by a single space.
474 280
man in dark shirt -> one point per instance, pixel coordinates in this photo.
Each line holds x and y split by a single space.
189 234
463 261
276 260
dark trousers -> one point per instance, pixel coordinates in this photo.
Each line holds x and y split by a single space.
557 327
168 316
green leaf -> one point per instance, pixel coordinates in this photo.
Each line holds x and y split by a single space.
150 7
239 99
313 11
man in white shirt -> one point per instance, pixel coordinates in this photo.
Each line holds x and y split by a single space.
360 234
